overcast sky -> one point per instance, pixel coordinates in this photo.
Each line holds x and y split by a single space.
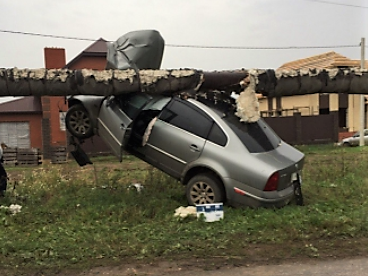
237 23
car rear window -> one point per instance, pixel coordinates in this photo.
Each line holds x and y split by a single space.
256 137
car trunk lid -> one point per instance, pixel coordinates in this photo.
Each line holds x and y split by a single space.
285 160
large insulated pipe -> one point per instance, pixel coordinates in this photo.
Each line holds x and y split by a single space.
280 83
62 82
223 80
270 83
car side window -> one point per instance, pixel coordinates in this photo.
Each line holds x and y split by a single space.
188 117
133 103
217 136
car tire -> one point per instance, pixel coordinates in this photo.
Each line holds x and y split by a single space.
204 189
346 144
78 122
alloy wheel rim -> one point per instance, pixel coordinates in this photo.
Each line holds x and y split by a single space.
80 122
202 193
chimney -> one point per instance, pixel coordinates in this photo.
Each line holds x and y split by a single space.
54 58
53 134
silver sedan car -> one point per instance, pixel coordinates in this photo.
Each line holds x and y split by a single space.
202 144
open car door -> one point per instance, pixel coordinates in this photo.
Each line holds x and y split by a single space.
116 118
114 126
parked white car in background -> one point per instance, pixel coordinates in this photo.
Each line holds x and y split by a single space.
355 139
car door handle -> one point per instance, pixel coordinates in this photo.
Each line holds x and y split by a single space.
194 148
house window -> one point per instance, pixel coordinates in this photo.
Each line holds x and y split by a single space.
15 134
62 120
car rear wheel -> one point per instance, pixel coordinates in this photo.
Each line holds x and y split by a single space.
78 122
204 189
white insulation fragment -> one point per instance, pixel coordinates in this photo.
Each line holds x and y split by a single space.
152 76
247 105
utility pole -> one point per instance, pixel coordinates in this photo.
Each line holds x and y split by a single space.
362 98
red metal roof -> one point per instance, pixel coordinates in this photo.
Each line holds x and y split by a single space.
97 48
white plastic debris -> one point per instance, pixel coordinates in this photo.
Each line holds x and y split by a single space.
137 186
184 212
13 208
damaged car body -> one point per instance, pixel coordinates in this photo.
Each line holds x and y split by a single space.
200 142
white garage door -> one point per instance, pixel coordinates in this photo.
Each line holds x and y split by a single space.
15 134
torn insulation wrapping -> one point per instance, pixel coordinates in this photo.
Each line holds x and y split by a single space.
247 106
65 82
189 82
279 83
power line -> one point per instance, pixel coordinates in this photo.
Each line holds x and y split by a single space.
192 46
337 4
47 35
260 48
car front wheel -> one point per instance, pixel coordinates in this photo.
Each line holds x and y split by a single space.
78 122
204 189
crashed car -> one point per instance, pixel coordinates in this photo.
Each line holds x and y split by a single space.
200 142
217 157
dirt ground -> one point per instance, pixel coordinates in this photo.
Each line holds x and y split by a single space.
253 255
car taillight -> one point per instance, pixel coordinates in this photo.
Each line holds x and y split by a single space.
272 182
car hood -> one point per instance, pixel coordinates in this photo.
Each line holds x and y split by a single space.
347 139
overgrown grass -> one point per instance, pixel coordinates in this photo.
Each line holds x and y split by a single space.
90 216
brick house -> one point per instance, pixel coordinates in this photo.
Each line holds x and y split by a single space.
21 122
38 122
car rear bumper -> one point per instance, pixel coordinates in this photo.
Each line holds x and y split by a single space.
240 194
